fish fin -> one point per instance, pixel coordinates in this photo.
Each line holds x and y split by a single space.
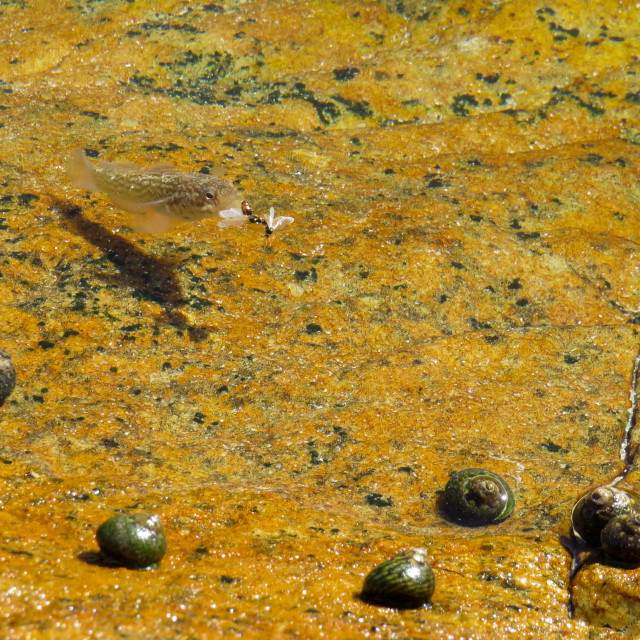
140 208
80 171
161 167
216 172
130 207
164 167
121 166
154 222
149 217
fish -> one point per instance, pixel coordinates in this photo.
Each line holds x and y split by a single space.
159 197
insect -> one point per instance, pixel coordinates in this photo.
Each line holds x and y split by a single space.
235 217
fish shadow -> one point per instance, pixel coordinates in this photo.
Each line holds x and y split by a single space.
151 277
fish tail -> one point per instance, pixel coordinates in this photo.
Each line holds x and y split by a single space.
80 171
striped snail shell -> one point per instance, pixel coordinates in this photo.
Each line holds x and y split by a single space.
405 581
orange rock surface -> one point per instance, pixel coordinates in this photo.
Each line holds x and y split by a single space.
459 289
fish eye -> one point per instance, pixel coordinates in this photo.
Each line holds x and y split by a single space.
208 195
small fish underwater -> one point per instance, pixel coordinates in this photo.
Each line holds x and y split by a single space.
161 197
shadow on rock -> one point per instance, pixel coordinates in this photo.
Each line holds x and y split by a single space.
97 559
152 278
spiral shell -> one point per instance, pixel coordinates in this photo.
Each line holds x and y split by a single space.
620 538
405 581
7 376
477 496
595 509
136 541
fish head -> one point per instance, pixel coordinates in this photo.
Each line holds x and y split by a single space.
203 196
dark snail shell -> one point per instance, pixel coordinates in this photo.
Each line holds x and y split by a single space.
620 538
477 496
405 581
7 376
135 540
595 509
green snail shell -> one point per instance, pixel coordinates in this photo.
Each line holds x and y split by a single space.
620 538
477 496
595 509
135 540
405 581
7 376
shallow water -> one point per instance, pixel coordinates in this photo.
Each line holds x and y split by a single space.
459 289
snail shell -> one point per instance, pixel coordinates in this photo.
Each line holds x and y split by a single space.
595 509
405 581
621 538
7 376
477 496
135 540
